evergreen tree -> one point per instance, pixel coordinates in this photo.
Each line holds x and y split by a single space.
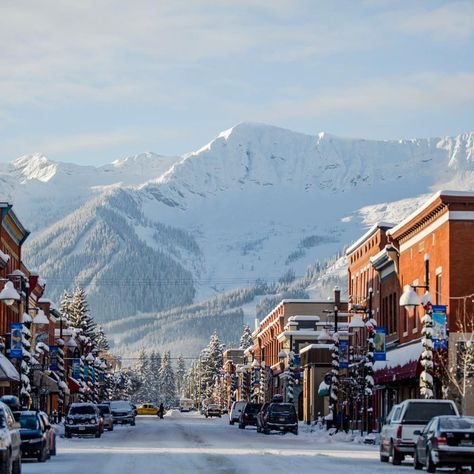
81 318
246 338
65 305
101 342
180 373
142 372
155 368
167 380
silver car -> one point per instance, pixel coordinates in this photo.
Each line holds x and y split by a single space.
10 442
106 414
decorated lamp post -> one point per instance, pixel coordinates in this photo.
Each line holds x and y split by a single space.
290 378
410 299
263 381
255 381
371 325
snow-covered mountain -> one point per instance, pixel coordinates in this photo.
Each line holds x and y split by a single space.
150 232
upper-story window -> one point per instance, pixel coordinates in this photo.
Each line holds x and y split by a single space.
439 288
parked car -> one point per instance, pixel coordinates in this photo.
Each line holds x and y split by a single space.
185 405
248 416
261 415
122 412
10 442
446 441
147 409
13 403
235 411
397 437
50 431
212 410
83 419
34 436
280 417
106 414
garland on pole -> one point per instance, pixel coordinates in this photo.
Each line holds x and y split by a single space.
369 370
333 396
25 391
426 377
290 379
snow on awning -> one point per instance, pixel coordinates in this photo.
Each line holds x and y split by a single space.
7 370
401 363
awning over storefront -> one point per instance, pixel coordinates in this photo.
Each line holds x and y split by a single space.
402 363
73 384
8 373
42 380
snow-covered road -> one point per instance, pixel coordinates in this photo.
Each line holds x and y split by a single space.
188 443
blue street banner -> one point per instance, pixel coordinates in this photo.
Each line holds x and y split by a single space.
440 330
296 360
86 372
53 358
76 369
380 351
16 347
101 376
343 354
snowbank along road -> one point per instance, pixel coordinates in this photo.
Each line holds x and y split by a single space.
189 443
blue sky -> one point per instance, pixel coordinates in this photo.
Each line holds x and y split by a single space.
97 80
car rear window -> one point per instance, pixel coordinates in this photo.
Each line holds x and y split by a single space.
420 413
282 408
120 406
82 410
252 407
29 422
465 423
104 409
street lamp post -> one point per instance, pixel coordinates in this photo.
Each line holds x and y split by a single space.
410 299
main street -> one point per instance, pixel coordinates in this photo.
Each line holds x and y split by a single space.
189 443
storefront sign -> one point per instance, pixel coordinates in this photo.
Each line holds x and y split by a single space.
16 347
440 332
54 358
380 352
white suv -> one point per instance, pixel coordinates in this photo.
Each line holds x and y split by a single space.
397 438
235 411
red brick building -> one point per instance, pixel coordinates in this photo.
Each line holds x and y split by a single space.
390 258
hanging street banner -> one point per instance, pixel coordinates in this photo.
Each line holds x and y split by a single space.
76 369
86 372
380 351
440 330
53 358
343 354
16 347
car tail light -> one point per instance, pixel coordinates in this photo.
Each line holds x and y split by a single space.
441 440
399 431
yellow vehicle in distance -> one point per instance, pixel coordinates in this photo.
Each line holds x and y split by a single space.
147 409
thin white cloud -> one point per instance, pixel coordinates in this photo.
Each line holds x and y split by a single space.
427 90
454 20
79 142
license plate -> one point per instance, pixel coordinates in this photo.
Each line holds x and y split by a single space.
82 428
282 428
465 442
281 419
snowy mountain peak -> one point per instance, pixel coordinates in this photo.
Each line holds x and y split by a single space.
34 166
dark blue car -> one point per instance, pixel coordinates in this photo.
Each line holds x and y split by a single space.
34 436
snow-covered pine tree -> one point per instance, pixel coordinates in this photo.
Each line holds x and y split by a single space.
142 373
167 379
246 338
154 376
65 305
101 341
81 318
180 373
